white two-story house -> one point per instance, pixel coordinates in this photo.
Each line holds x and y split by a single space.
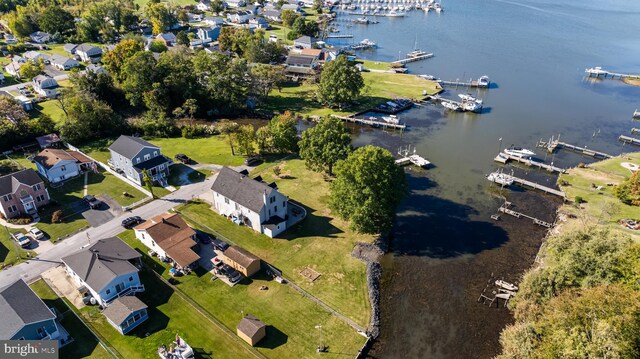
132 155
58 165
45 86
107 270
250 201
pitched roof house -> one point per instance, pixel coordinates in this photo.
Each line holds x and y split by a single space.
235 3
272 14
133 155
40 37
50 140
251 329
107 269
259 22
22 193
239 17
246 200
204 5
89 53
70 48
241 260
58 165
169 235
304 42
209 33
63 63
26 317
126 313
168 38
45 86
13 68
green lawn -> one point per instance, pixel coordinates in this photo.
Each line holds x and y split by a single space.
169 315
179 173
10 251
214 149
321 242
291 317
50 107
374 65
379 87
85 344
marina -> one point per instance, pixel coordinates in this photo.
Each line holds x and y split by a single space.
503 158
554 144
599 71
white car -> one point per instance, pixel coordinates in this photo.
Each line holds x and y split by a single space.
36 233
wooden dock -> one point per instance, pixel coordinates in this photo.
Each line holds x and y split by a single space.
345 36
504 158
372 123
505 209
631 140
599 71
553 145
471 83
525 183
412 59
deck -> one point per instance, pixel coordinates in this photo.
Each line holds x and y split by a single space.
505 209
631 140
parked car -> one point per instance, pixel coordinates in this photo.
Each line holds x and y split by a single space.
231 273
36 233
131 222
22 240
93 202
252 161
183 158
219 244
203 237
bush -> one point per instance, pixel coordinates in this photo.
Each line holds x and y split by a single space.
579 200
20 220
56 217
193 131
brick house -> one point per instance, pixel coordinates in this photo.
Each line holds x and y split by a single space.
22 193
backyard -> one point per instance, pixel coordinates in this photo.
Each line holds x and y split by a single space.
291 331
379 87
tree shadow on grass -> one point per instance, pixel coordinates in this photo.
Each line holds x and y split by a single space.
156 294
4 252
314 225
273 339
202 353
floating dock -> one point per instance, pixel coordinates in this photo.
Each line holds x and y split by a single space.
553 145
413 159
505 209
599 71
372 123
361 46
631 140
504 158
412 59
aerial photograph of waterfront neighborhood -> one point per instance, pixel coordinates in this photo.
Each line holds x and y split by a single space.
320 179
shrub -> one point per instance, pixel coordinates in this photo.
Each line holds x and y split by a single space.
20 220
56 217
277 171
579 200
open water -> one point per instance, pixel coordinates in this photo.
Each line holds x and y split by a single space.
444 246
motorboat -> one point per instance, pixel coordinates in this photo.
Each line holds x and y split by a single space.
506 285
416 53
361 20
483 81
467 97
519 152
394 13
450 106
391 119
177 350
427 77
472 106
500 178
437 7
367 42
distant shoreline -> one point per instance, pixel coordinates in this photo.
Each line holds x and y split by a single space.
634 81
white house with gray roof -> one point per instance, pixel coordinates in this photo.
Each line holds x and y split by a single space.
250 201
107 270
89 53
132 155
45 86
63 63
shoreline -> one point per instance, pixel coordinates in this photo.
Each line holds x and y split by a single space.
633 81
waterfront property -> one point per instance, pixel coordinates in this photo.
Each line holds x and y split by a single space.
241 260
251 329
26 317
106 270
126 313
132 155
250 201
22 193
169 236
58 165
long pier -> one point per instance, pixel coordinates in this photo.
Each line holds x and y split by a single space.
505 209
372 123
472 83
599 71
631 140
345 36
412 59
524 183
554 145
504 158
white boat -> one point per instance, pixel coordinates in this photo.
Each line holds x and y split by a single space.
177 350
596 71
361 20
483 81
391 119
427 77
467 97
419 161
472 106
508 286
394 13
519 152
367 42
450 106
437 7
500 178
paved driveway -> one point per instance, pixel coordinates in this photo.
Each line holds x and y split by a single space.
63 285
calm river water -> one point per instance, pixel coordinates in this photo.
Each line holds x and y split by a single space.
445 246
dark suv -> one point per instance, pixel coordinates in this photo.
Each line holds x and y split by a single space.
131 222
93 202
231 273
252 161
219 245
203 237
183 158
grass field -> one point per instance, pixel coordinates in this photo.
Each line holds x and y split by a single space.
379 87
321 242
600 205
50 108
291 318
85 344
10 252
214 149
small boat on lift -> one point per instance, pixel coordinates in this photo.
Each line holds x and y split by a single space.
500 178
519 152
450 106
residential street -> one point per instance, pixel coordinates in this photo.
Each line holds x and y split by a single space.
32 268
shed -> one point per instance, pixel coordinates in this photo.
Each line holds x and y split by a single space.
241 260
126 313
251 329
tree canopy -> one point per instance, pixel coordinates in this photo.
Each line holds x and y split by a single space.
323 145
367 189
340 82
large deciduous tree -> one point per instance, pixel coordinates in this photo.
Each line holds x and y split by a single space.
265 77
138 73
225 81
367 189
87 118
56 20
160 16
284 133
340 82
31 69
11 110
115 59
325 144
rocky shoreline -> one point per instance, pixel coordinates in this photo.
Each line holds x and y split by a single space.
370 254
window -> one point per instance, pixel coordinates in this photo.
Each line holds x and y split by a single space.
272 199
283 204
136 316
269 213
162 166
147 157
37 186
108 291
237 207
39 198
137 159
275 209
12 209
142 235
131 279
63 168
7 198
153 243
61 177
226 200
155 153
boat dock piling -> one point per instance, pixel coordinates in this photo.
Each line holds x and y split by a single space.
505 209
554 144
504 158
406 158
525 183
599 71
372 123
412 59
631 140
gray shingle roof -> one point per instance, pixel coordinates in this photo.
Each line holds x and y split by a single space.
129 146
20 306
102 262
122 307
250 325
241 189
61 60
300 60
9 183
87 47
